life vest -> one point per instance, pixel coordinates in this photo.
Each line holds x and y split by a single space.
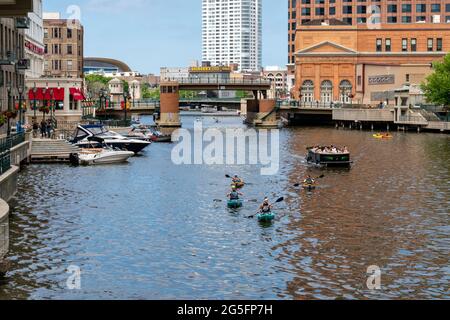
234 195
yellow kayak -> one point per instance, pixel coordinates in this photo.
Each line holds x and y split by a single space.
238 185
382 136
307 186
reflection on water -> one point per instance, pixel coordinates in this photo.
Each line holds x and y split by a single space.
151 230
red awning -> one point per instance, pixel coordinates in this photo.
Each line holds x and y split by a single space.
77 94
58 94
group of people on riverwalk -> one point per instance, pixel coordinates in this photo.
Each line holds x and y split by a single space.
45 128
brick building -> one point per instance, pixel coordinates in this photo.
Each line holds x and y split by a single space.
363 12
357 64
63 41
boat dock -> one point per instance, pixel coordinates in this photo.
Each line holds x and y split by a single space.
51 151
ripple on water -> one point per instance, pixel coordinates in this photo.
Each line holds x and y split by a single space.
150 230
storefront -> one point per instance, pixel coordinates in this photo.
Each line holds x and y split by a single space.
61 98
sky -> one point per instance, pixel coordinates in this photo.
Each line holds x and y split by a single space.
149 34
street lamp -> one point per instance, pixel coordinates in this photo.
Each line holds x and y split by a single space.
21 121
103 95
44 104
34 101
134 97
52 103
8 89
126 96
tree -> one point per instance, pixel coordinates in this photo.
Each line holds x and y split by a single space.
437 85
149 93
94 83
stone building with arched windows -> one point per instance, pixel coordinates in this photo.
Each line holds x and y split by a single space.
355 64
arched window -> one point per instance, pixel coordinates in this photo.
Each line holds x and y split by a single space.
326 91
307 91
345 88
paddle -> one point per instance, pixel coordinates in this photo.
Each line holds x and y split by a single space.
299 184
278 201
253 200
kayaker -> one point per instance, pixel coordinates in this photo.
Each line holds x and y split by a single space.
266 207
309 181
234 194
237 180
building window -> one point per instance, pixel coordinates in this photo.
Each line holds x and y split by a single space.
379 45
404 45
439 44
430 45
307 91
414 45
346 88
388 45
326 92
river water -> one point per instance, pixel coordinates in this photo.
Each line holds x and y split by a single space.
151 230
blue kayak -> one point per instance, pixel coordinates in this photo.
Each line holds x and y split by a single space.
233 204
266 217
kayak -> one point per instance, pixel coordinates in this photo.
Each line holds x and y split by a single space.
238 185
382 136
234 204
266 217
309 186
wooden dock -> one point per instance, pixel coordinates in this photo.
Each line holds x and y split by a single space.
51 151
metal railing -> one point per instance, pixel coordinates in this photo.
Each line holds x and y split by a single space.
413 119
112 123
309 105
5 161
11 141
218 81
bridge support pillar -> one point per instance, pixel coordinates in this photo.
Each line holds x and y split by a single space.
169 117
267 115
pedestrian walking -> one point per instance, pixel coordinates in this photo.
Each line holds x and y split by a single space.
49 128
43 128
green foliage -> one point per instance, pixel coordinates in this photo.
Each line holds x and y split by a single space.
126 86
437 85
95 83
92 78
186 94
241 94
148 93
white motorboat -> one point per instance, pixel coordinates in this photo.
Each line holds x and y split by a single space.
83 135
103 156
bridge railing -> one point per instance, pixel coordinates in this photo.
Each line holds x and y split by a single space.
311 105
5 161
11 141
209 81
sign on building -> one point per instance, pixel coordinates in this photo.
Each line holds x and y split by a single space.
384 79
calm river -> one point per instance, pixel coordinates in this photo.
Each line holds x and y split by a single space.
151 230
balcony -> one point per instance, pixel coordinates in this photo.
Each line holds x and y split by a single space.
15 8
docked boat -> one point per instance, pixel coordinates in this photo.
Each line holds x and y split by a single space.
148 133
209 109
103 156
109 138
329 157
